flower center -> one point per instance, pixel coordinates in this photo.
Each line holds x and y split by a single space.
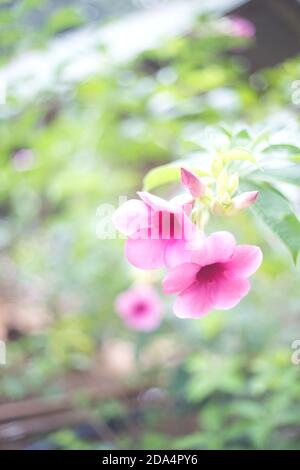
140 309
210 272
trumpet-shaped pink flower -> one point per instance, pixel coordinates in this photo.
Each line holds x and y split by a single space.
216 276
140 307
157 230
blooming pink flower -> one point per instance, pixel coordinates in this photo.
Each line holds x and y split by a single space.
241 27
192 183
140 307
216 276
157 230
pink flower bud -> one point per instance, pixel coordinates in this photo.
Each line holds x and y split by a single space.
244 200
192 183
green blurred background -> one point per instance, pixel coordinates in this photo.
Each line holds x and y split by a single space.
85 114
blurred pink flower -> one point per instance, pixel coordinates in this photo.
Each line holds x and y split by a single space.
157 230
140 307
216 277
23 159
241 27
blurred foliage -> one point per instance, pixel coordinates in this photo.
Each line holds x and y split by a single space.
225 381
31 23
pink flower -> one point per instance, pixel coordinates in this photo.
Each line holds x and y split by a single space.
216 276
157 230
241 27
140 307
192 183
23 159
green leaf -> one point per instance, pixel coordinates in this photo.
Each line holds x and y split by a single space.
65 18
166 174
260 138
161 175
242 138
238 154
295 158
289 174
275 211
223 128
283 150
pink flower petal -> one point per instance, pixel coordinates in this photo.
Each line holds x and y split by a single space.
170 226
185 201
192 183
217 248
195 301
131 216
157 203
149 323
245 260
180 277
177 252
188 229
230 292
145 253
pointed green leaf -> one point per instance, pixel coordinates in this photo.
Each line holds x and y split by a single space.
238 154
289 174
282 150
161 175
166 174
276 212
